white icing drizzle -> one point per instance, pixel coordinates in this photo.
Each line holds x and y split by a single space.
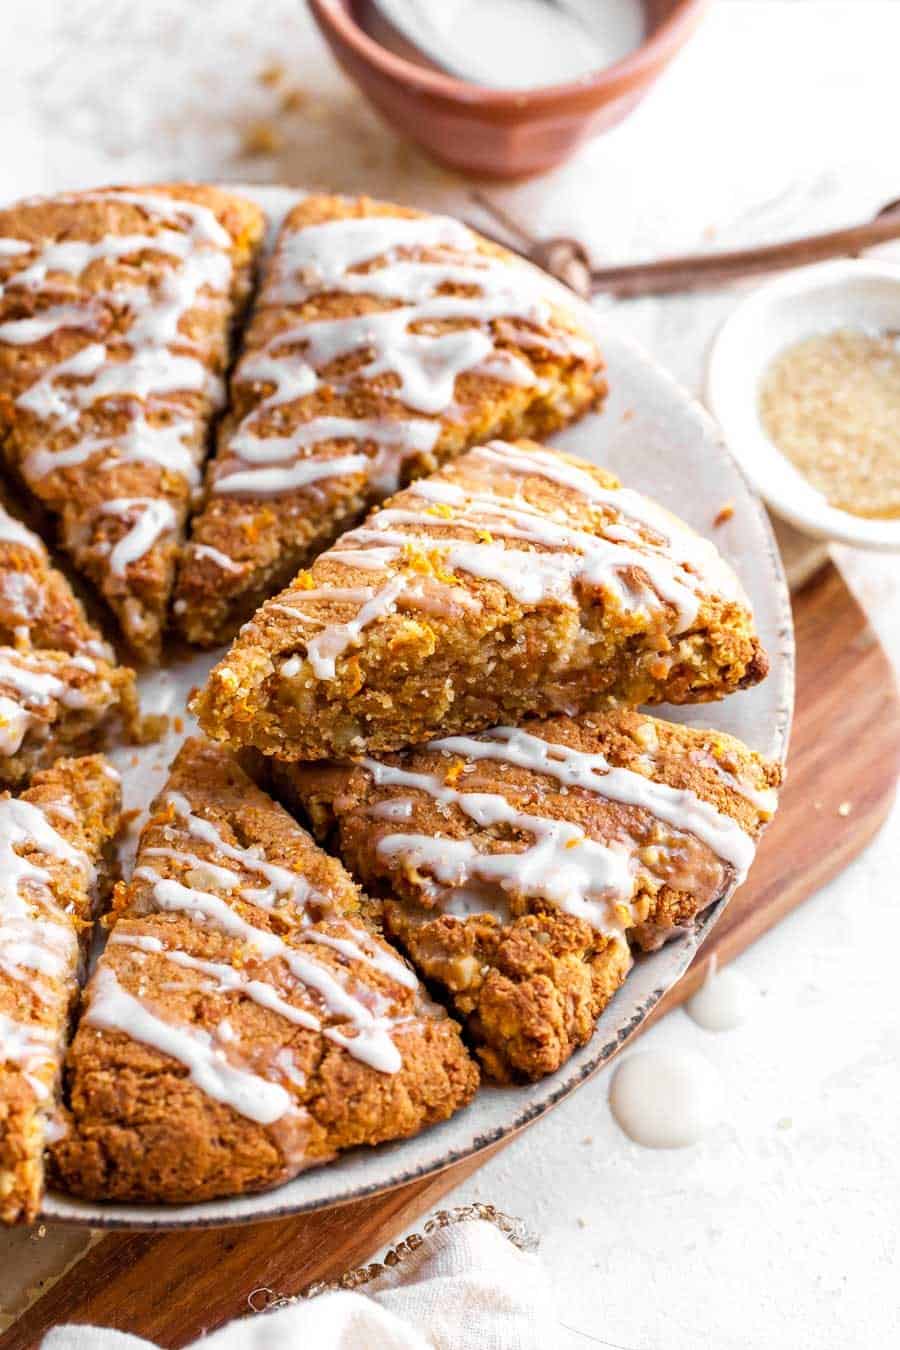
679 807
12 531
272 482
25 676
37 941
323 650
192 237
371 1042
674 566
368 1036
369 256
15 723
283 885
155 517
226 979
24 824
113 1009
765 800
690 550
166 444
32 1049
217 557
583 877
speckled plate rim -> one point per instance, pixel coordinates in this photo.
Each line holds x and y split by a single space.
659 439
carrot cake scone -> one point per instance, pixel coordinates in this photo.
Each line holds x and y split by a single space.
519 866
116 311
60 686
384 342
246 1020
53 843
515 580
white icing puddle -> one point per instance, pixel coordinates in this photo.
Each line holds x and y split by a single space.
723 1001
666 1098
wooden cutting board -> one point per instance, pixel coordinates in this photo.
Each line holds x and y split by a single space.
842 771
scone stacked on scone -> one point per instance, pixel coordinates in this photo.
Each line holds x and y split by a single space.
518 866
53 840
513 581
383 343
61 689
116 314
246 1019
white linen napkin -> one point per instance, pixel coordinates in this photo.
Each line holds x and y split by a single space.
467 1283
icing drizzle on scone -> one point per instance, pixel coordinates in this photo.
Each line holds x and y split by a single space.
591 879
38 943
381 256
140 371
636 556
219 884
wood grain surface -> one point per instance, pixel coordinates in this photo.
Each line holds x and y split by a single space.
843 767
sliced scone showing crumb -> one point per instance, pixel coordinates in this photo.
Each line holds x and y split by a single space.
519 866
54 704
246 1019
53 844
116 312
61 689
383 342
516 580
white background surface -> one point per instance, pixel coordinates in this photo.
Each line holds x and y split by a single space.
780 1230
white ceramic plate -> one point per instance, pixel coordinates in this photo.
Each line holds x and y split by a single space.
842 294
658 440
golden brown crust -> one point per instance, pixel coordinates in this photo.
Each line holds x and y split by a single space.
458 637
529 978
78 305
80 800
141 1128
268 536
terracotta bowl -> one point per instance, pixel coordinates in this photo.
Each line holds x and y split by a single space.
501 133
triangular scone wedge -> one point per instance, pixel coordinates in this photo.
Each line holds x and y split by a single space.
116 312
246 1020
53 844
61 689
514 581
518 867
383 342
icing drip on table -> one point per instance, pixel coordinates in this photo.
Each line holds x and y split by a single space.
591 880
666 1098
675 567
369 257
38 945
141 383
272 972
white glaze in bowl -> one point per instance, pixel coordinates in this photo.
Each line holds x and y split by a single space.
659 440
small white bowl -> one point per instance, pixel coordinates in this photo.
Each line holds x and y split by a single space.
818 299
